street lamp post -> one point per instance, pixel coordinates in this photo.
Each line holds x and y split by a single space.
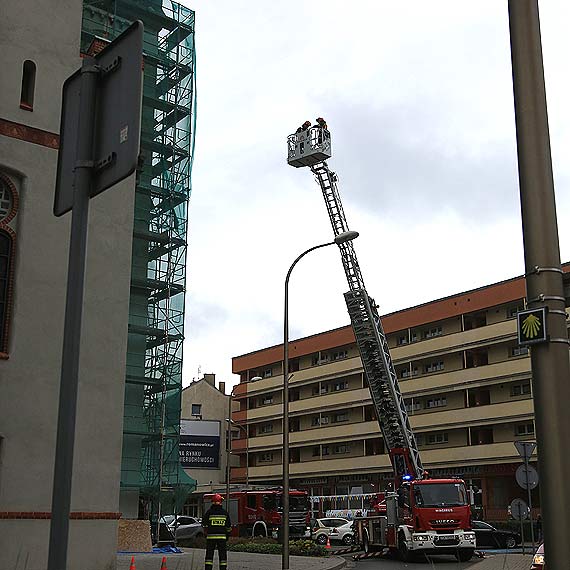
229 447
339 239
231 422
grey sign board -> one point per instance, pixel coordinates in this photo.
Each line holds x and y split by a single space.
117 122
526 476
525 448
518 509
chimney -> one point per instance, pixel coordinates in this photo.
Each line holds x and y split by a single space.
211 379
222 387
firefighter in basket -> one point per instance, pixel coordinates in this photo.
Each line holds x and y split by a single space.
217 526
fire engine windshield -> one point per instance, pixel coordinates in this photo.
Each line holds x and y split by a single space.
440 495
297 503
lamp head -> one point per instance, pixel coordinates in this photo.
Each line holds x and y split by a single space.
345 236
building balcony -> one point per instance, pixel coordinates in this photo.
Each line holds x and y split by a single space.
467 377
494 453
321 467
327 371
504 412
498 332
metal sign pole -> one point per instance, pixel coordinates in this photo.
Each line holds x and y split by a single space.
544 284
522 530
526 461
61 498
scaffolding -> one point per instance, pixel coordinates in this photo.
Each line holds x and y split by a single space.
150 469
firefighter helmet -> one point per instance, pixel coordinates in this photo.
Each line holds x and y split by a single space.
217 499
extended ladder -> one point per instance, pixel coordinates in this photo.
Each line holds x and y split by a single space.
372 343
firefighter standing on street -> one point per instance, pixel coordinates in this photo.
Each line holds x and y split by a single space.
217 525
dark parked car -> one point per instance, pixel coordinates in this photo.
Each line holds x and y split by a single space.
538 560
490 537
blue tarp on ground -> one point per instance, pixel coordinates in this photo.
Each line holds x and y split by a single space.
156 550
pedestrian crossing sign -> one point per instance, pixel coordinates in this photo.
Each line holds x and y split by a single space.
531 326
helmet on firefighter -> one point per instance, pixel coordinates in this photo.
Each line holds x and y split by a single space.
217 499
306 124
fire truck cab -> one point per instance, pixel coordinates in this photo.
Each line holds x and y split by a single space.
259 512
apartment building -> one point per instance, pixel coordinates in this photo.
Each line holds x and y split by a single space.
465 380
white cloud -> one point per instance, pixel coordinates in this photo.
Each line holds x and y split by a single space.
419 100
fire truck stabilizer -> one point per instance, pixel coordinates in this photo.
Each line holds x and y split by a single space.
423 515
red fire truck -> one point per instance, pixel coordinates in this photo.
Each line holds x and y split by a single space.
422 515
259 512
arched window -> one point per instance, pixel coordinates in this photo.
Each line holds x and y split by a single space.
5 279
8 208
28 85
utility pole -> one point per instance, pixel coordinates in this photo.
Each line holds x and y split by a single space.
544 283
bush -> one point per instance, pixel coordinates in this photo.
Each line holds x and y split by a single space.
271 546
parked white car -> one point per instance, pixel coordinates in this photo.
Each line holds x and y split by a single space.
334 528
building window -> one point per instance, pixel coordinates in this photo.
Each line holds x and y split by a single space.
402 339
197 410
433 367
524 429
266 457
341 448
438 402
407 373
436 438
338 386
28 85
432 332
316 421
520 389
340 355
268 372
8 208
413 406
519 350
267 428
340 417
326 450
316 451
514 309
266 400
324 389
319 358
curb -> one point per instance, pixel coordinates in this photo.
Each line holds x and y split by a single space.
340 564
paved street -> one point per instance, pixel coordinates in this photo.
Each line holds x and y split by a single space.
193 559
495 562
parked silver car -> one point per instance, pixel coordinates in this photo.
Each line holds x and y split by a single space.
183 527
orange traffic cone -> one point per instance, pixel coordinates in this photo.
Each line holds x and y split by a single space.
328 546
132 566
163 565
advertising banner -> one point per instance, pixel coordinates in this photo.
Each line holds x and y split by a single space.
199 444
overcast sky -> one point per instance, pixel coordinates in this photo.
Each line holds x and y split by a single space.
418 98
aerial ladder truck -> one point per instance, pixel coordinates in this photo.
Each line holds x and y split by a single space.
420 515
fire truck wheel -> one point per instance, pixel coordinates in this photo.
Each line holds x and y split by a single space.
405 554
464 555
259 531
